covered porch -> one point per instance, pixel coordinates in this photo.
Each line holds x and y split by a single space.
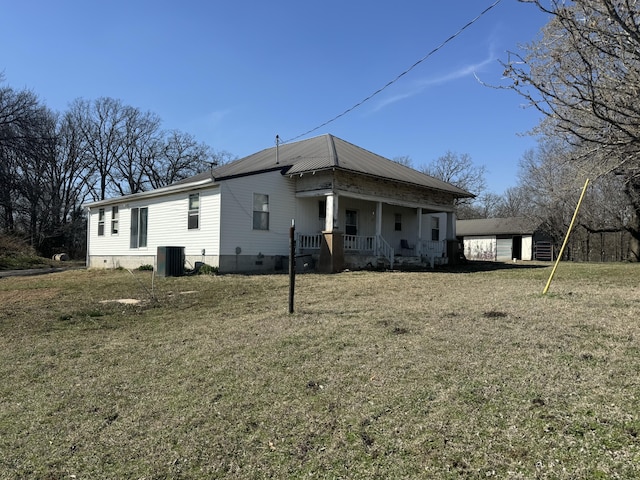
350 231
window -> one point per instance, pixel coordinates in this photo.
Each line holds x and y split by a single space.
194 211
322 209
114 220
138 227
351 222
435 229
260 211
101 222
398 222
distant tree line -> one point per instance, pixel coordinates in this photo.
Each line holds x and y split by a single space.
51 163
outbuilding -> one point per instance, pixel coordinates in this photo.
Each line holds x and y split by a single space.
503 239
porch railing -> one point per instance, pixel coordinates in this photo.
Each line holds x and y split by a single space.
309 242
383 249
373 244
433 249
359 243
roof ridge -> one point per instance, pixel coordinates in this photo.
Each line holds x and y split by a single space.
333 153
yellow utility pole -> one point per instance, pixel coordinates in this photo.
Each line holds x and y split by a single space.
566 237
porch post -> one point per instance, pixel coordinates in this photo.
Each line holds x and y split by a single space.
379 219
331 213
419 237
452 242
332 248
451 226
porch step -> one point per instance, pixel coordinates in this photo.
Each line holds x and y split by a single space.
401 261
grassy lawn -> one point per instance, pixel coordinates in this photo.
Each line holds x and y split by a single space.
376 375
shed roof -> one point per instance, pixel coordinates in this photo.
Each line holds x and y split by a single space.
326 152
496 226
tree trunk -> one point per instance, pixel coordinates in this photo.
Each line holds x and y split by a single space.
634 245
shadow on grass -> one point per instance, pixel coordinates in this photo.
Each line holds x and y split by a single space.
471 266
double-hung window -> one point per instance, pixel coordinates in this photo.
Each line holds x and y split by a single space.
193 221
115 220
260 211
101 222
139 227
398 222
435 229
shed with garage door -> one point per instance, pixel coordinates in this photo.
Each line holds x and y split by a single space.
503 239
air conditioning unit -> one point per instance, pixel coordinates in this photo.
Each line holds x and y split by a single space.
170 261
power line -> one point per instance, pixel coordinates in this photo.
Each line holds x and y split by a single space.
399 76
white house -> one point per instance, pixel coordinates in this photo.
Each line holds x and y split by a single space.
351 208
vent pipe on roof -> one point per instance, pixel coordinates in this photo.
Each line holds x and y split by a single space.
277 152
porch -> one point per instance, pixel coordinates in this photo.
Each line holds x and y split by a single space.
363 250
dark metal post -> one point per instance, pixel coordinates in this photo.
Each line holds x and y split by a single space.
292 264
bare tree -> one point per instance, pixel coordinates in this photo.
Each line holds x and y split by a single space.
459 170
514 203
101 127
550 185
583 74
141 145
51 163
180 157
19 110
404 160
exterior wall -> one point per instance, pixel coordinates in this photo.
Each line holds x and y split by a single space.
308 219
366 215
426 226
167 226
480 248
487 248
409 225
527 247
241 247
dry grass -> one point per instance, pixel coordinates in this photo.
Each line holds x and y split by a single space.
376 375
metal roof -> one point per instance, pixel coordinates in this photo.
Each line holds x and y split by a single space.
496 226
322 153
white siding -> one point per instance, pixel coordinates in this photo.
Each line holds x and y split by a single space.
480 248
409 220
308 219
527 247
167 226
427 226
236 229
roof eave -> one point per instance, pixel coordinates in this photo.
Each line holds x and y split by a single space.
153 193
462 194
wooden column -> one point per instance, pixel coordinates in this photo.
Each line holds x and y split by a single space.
419 236
332 249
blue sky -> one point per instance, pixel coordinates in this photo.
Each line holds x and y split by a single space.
236 73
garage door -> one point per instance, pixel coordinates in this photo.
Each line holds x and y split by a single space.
504 249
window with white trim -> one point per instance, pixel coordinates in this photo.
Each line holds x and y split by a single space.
139 218
115 220
260 211
101 222
193 221
435 229
398 222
